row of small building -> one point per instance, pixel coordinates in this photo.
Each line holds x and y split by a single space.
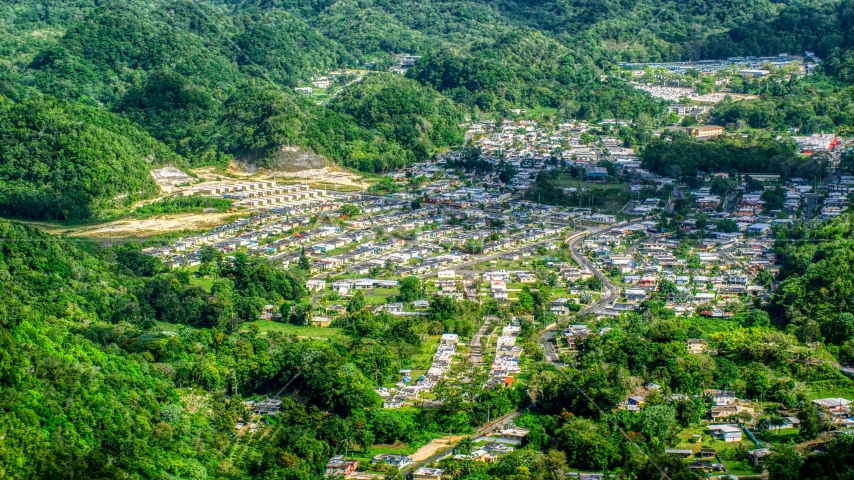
507 356
440 364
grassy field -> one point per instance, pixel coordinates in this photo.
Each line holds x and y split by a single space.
524 263
203 282
310 332
423 359
779 437
268 326
829 388
365 458
567 181
738 468
378 296
711 325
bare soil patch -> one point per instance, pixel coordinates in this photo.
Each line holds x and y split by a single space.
140 228
435 447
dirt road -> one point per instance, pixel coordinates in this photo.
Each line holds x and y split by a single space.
138 228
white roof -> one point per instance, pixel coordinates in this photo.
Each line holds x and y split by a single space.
725 428
832 402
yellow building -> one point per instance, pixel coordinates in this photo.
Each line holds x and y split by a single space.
705 131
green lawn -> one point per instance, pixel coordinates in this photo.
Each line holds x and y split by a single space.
172 327
843 388
341 250
781 437
268 326
711 325
311 332
203 282
365 458
738 468
422 359
567 181
686 439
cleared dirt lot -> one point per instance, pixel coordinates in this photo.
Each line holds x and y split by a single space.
174 181
139 228
324 175
435 446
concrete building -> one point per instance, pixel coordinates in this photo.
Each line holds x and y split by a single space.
705 131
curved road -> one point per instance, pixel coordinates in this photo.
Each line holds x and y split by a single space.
607 297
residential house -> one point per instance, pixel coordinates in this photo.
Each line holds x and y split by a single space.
706 465
757 456
697 345
318 321
314 285
561 306
512 436
679 452
725 433
706 453
336 309
721 397
634 403
394 402
836 407
339 467
269 406
392 459
425 473
719 412
635 295
525 277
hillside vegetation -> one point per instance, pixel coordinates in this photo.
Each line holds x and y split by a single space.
213 82
63 160
402 111
817 282
93 387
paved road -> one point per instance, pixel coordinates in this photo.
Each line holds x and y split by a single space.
677 194
611 291
475 349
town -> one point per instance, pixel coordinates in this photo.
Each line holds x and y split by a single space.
464 227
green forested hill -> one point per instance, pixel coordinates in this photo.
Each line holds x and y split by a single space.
91 388
401 110
816 293
64 160
213 81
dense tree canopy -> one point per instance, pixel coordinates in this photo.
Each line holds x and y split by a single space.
676 154
817 289
416 117
63 160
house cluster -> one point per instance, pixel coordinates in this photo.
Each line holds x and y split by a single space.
496 444
725 406
338 466
678 94
713 66
575 333
835 198
530 148
705 460
395 398
703 274
837 410
295 198
279 233
507 356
